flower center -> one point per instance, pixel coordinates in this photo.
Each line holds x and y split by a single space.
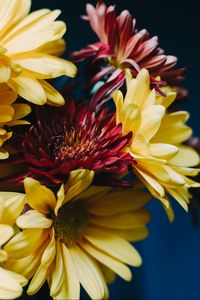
115 62
71 144
70 223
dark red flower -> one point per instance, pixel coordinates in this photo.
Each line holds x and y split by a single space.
124 47
70 138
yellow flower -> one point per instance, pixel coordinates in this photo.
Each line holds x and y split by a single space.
29 44
82 237
162 161
11 205
10 115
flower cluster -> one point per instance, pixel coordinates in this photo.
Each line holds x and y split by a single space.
123 48
76 174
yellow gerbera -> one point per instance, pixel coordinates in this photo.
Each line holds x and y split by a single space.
29 44
11 205
79 238
162 162
10 115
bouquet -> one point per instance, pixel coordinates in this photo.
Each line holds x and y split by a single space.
78 165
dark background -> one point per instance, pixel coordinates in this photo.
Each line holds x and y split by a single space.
171 254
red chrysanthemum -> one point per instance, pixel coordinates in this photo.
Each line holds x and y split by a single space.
122 46
70 138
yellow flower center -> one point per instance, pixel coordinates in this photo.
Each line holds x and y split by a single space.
73 144
70 223
115 63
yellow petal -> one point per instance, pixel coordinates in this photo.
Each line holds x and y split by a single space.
5 73
21 110
28 265
186 157
9 287
118 202
151 100
151 120
143 87
2 131
175 177
41 275
46 65
169 211
3 154
115 246
152 182
186 171
38 196
139 145
7 96
189 183
131 235
50 251
53 48
172 129
37 282
131 91
29 89
53 96
154 167
108 274
78 181
88 273
6 232
71 285
25 242
18 277
177 194
57 273
120 269
132 118
168 100
14 204
94 193
118 99
33 219
28 20
44 27
13 12
70 68
129 77
3 255
6 113
126 220
160 150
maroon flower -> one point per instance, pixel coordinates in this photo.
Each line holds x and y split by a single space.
122 46
70 138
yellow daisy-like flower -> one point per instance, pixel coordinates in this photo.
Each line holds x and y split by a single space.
11 205
29 44
82 237
10 115
162 161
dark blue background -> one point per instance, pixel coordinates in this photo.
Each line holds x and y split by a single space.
171 254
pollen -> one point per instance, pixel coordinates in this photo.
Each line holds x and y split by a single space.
70 223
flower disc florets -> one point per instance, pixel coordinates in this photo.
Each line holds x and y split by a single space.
70 223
